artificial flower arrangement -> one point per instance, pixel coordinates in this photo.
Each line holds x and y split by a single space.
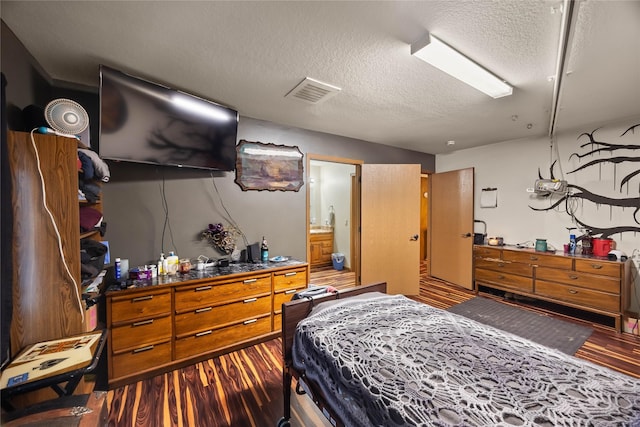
224 240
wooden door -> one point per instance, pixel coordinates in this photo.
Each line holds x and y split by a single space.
390 221
451 201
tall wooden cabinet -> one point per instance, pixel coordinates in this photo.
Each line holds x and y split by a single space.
45 297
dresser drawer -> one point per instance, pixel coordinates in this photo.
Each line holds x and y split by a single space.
139 359
290 279
583 280
504 280
192 297
602 268
539 259
139 305
277 322
213 317
140 332
518 268
215 339
282 297
581 296
485 252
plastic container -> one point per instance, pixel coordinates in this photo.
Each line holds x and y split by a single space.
601 247
541 245
338 260
118 269
572 244
173 263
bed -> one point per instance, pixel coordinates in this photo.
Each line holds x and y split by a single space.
370 359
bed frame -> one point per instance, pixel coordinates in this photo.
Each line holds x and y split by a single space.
292 313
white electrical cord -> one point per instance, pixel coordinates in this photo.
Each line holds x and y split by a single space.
55 226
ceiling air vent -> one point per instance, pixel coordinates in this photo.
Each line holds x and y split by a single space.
313 91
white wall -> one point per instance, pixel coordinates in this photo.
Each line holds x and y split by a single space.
336 193
512 167
332 189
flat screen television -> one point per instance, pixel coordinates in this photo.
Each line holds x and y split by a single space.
146 122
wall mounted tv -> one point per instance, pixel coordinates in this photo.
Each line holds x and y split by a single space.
146 122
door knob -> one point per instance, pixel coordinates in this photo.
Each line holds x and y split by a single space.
414 237
466 235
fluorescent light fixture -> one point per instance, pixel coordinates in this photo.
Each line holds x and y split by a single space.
440 55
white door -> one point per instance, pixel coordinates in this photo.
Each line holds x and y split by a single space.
390 227
451 229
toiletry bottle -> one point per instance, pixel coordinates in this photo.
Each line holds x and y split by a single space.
172 263
118 269
161 266
572 244
264 250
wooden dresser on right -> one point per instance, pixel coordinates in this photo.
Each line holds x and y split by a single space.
592 284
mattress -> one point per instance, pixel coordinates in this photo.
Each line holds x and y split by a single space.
390 361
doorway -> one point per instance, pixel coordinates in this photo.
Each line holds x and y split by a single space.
332 212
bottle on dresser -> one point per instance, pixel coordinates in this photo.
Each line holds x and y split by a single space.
264 250
572 244
161 266
172 262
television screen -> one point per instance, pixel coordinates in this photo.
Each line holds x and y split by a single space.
146 122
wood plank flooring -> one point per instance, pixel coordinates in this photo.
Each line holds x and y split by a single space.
244 388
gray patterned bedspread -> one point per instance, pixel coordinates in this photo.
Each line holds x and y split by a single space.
391 361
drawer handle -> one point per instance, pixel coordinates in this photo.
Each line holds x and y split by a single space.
596 266
250 300
143 322
247 322
500 276
203 310
201 334
293 273
203 288
573 277
141 349
533 258
290 291
145 298
571 291
250 281
500 264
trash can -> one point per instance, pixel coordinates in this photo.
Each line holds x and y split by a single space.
338 260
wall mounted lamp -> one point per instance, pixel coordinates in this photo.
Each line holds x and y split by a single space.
444 57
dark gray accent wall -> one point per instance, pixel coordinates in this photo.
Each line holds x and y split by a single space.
135 199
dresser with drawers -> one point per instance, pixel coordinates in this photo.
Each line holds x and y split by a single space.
592 284
159 325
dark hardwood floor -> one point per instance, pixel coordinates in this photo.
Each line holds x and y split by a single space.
244 388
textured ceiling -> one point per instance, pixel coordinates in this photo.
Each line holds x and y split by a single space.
249 55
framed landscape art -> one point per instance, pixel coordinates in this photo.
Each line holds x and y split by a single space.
271 167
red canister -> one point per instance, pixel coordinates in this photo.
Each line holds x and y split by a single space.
601 247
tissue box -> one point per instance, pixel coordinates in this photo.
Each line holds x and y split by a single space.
139 274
